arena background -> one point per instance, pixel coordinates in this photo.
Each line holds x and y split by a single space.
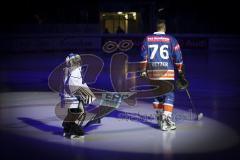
36 36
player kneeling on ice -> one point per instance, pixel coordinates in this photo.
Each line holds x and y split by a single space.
161 53
76 94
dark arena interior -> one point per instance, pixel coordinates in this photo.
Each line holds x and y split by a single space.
37 36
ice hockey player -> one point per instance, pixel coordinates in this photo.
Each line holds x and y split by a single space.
76 94
161 53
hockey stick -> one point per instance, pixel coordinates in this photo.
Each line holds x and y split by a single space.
199 115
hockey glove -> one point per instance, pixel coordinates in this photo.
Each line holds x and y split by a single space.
143 74
181 83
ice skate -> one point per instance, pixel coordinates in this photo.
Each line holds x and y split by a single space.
166 123
171 124
66 129
163 123
76 132
72 124
72 130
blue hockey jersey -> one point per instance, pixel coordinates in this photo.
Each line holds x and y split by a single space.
162 53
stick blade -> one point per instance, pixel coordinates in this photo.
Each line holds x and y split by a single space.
200 116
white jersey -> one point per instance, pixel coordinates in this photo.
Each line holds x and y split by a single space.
74 80
75 93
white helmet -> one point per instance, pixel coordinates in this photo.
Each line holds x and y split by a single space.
73 59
